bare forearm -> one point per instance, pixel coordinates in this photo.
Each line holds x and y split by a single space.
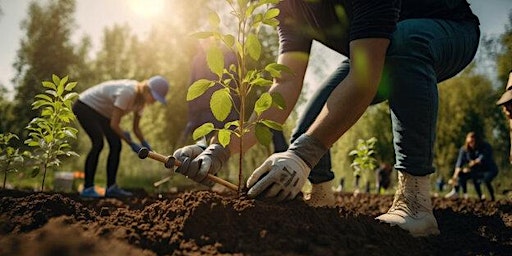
349 100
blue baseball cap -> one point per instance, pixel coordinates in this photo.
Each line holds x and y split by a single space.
159 88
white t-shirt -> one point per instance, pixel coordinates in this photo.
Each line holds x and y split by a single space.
107 95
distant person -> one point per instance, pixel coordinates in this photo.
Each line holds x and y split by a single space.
506 104
199 111
383 177
476 162
99 110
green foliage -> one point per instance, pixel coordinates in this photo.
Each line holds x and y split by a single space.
10 158
245 43
50 132
247 46
363 154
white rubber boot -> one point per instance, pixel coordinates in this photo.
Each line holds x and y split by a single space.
321 195
412 206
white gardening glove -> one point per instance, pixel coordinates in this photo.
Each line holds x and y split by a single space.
282 175
210 161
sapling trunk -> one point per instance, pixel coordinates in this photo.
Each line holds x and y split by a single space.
5 177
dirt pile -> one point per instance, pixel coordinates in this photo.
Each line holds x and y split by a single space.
209 223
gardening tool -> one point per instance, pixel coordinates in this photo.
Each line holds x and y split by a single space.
170 162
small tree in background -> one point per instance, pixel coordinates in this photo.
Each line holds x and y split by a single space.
50 132
250 15
364 160
10 158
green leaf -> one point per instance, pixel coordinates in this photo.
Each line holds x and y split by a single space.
224 137
70 86
213 19
263 103
271 22
253 46
275 69
49 85
235 123
278 100
198 88
272 124
63 81
44 97
215 60
263 134
34 172
202 131
229 40
221 104
260 81
271 13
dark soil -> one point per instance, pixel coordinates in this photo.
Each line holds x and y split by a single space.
210 223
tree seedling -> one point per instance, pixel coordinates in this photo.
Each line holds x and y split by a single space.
10 158
250 16
364 160
51 131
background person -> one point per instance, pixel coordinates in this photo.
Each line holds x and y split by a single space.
99 110
383 177
397 50
476 162
506 104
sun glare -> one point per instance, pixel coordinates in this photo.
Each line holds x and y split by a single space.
147 8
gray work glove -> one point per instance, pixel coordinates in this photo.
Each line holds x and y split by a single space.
282 175
210 161
190 151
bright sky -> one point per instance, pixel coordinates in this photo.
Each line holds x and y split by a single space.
94 15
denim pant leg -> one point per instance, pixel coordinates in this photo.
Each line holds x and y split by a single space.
322 171
422 53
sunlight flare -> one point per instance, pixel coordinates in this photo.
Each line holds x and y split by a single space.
147 8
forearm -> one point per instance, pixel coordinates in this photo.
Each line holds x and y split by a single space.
136 127
349 100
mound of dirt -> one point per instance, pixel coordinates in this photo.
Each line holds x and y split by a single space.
210 223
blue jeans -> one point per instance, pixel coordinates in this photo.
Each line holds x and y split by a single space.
422 53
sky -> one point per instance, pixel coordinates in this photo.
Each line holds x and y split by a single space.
92 16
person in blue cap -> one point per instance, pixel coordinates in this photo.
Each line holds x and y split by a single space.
99 110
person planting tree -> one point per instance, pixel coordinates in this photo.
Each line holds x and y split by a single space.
397 50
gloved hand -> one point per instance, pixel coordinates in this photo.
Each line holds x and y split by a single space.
190 151
282 177
146 145
135 147
210 161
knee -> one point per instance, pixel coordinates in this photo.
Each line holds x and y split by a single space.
97 145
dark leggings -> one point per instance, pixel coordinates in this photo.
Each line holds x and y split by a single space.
97 126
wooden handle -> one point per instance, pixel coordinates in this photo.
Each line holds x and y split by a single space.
170 161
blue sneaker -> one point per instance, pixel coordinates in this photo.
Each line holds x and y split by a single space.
115 191
90 192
